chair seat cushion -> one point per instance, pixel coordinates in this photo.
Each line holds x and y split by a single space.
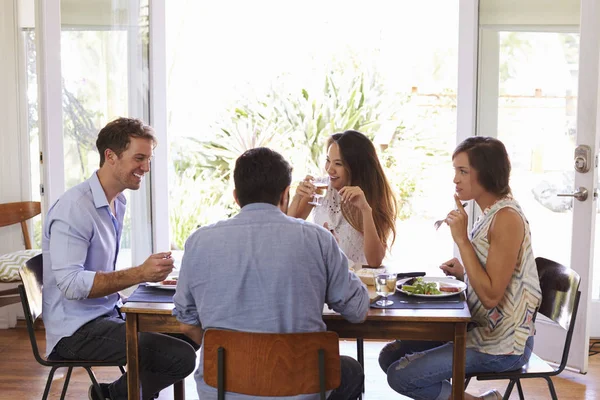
11 262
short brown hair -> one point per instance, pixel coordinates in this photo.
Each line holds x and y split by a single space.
116 135
488 156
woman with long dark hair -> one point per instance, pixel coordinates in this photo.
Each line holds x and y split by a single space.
359 207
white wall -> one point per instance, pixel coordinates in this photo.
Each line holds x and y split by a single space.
14 153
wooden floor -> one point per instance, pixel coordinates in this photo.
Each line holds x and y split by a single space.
22 378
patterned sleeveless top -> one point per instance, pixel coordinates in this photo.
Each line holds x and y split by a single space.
351 241
504 328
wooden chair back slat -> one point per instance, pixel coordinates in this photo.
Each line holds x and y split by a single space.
272 364
19 213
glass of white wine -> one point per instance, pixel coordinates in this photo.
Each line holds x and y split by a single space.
321 185
385 285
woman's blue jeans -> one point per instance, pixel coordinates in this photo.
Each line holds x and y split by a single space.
421 370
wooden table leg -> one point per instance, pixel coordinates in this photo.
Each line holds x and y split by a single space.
179 390
459 361
133 373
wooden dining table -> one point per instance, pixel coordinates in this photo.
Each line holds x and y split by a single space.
382 324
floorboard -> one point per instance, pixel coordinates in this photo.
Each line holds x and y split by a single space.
22 378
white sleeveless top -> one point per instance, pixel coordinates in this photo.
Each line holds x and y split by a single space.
504 328
351 241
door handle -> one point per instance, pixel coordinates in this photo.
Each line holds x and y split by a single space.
581 194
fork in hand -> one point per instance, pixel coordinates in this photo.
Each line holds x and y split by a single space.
439 223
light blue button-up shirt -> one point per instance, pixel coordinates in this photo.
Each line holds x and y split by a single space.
263 271
81 236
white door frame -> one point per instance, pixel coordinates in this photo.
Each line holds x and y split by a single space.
50 115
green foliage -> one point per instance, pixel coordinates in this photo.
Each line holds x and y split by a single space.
293 121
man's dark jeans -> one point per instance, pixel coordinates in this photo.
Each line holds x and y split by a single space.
353 379
164 360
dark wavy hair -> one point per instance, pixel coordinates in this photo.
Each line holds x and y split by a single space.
117 134
261 175
360 160
488 156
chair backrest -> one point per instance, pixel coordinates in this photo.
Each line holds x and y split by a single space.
272 364
560 298
20 212
31 298
559 286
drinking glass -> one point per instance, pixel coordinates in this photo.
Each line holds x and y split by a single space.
321 185
385 284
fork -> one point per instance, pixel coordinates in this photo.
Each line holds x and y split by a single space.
439 223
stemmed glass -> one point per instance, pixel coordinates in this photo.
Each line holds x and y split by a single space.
385 285
321 184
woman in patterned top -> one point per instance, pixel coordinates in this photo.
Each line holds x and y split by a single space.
498 266
359 207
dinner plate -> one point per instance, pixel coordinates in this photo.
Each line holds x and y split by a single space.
161 286
443 281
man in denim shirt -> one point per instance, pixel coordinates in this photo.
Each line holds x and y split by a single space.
263 271
80 245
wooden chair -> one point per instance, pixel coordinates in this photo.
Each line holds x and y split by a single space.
560 300
271 364
14 213
31 298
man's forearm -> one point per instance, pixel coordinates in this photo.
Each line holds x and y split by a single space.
107 283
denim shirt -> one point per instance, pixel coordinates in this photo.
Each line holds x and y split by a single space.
263 271
81 236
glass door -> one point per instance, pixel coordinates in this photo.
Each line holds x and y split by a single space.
537 92
100 59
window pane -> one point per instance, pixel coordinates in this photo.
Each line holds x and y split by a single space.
105 75
268 76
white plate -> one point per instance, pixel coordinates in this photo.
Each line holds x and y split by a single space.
161 286
443 281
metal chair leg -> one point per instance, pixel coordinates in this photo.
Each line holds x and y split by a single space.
360 356
551 388
94 382
509 389
520 389
66 384
49 383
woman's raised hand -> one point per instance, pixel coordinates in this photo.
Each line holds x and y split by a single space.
457 221
305 187
355 196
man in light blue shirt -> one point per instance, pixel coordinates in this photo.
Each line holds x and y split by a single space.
263 271
80 245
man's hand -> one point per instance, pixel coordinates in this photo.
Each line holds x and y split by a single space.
157 267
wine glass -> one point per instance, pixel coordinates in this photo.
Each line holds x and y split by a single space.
385 284
321 185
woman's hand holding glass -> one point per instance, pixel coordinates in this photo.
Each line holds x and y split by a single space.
305 187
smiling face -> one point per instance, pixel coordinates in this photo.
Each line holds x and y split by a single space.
129 169
338 174
465 178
